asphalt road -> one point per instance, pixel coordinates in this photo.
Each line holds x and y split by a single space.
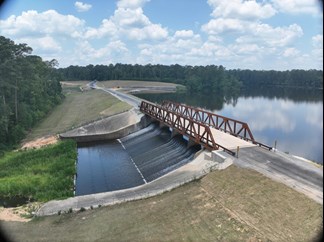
303 176
132 100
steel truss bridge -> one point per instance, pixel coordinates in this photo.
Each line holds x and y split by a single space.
202 127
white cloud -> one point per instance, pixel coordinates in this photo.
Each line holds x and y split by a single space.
129 18
317 43
242 38
32 23
251 9
128 22
265 34
291 52
82 7
107 28
112 52
183 34
298 6
45 44
133 4
220 25
235 36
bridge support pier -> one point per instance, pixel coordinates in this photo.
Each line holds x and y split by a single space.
174 133
162 125
191 143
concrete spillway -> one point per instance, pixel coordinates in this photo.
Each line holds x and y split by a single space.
130 161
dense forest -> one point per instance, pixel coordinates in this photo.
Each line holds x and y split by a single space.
312 79
29 89
197 78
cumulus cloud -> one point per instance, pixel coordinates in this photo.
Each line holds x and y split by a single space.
32 23
241 9
45 44
235 35
270 36
82 7
220 25
317 43
298 6
243 38
183 34
291 52
132 4
128 21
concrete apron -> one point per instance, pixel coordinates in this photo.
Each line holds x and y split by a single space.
203 163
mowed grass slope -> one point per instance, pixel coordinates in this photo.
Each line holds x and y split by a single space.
77 109
235 204
42 175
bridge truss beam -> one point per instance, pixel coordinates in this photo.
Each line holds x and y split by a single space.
234 127
194 130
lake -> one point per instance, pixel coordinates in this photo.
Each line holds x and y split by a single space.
291 118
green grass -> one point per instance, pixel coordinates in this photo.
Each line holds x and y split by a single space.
77 109
42 175
235 204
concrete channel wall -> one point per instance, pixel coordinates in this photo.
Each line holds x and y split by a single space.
109 128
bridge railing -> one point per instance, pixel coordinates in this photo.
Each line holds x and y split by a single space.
196 131
234 127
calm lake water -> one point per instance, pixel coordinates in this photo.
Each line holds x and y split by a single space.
291 117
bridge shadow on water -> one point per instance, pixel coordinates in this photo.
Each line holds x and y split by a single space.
130 161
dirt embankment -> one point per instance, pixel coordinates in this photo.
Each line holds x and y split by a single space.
40 142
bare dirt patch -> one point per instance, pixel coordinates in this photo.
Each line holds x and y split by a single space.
23 213
40 142
12 214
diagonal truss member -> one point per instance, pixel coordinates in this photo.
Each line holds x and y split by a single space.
234 127
194 130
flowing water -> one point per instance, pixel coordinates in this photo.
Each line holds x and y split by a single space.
131 161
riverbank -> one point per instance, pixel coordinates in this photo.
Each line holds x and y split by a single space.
37 175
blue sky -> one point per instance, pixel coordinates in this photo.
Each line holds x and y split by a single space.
260 35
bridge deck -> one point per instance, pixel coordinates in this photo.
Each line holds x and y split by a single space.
223 139
229 141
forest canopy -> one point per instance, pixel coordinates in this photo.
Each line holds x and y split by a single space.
197 78
29 89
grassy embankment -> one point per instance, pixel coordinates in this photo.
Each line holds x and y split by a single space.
231 205
77 109
48 173
42 175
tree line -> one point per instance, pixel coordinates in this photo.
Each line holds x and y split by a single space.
197 78
312 79
29 89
